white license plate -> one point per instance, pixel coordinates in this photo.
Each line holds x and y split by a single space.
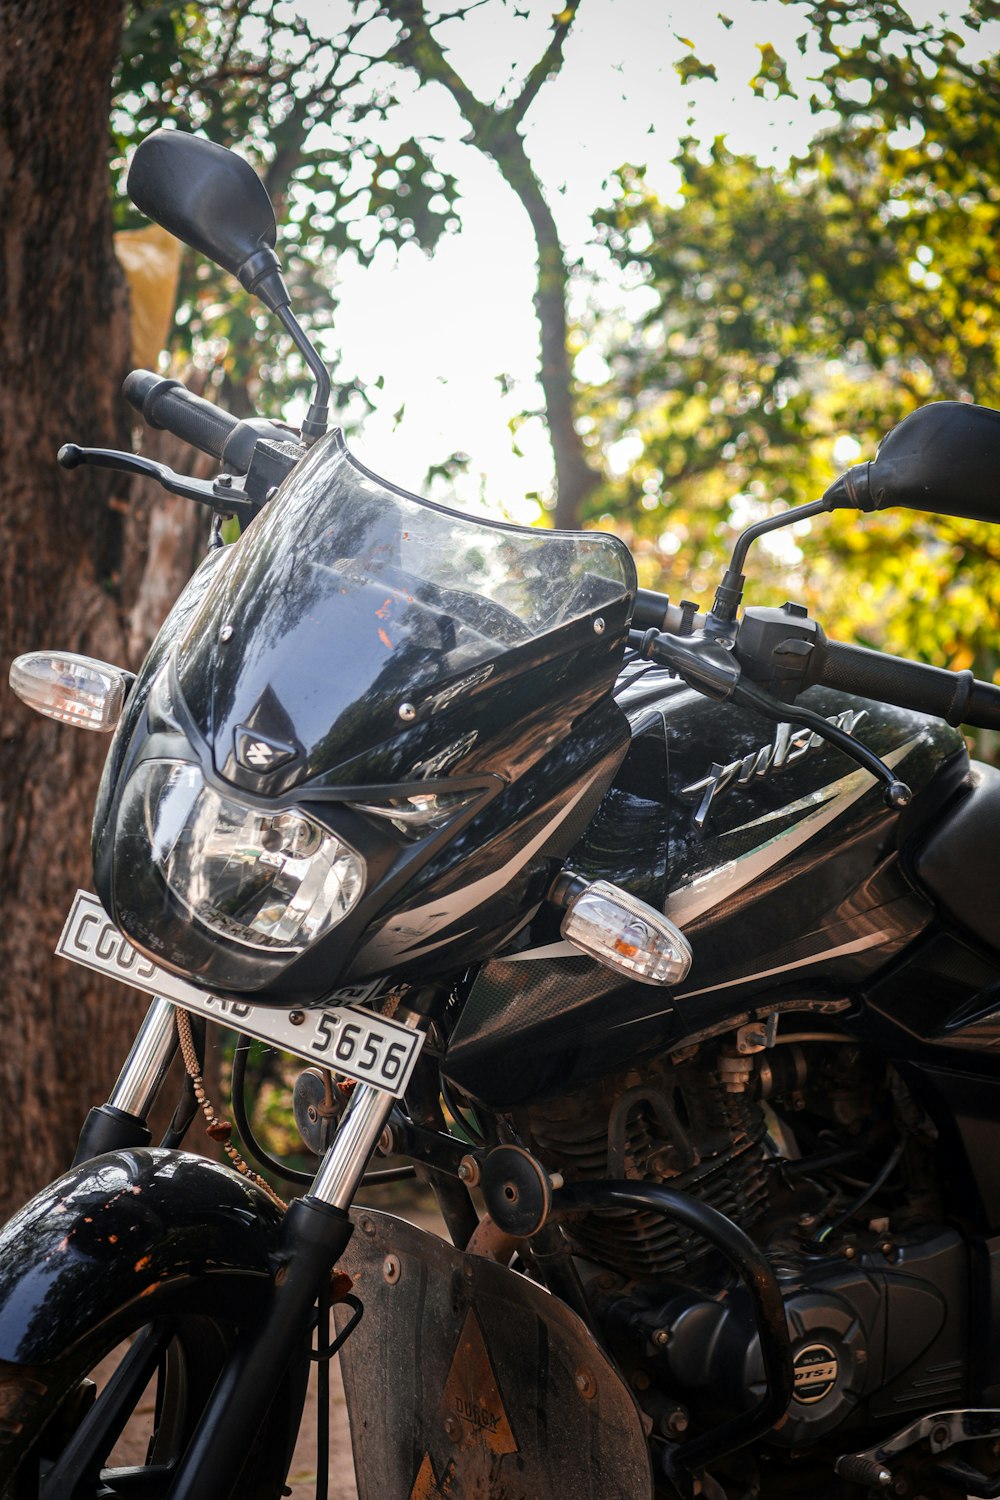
351 1041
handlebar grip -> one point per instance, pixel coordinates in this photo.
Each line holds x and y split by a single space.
956 697
168 404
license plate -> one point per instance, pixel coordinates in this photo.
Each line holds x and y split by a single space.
351 1041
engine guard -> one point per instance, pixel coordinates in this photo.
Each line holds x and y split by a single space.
121 1227
466 1380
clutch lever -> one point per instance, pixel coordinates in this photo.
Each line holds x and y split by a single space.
220 494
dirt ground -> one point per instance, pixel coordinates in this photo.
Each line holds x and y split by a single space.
302 1475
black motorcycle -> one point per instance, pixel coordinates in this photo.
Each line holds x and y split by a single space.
664 946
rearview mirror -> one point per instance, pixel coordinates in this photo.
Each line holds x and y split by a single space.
943 458
214 201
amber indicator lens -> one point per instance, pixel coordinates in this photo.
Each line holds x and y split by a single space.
625 934
73 689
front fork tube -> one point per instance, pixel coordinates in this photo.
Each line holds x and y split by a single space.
121 1122
315 1232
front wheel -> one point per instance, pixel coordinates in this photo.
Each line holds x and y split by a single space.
115 1419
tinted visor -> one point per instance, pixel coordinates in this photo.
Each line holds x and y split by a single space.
348 597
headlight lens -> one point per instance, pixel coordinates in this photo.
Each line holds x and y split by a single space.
267 881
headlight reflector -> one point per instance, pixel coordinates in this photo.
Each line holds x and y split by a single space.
268 881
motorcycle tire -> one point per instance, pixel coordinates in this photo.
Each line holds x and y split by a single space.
62 1438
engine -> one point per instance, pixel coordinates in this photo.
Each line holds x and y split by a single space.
818 1151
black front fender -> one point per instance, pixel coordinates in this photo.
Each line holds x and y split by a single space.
129 1225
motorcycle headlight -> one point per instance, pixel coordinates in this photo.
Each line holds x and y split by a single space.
270 881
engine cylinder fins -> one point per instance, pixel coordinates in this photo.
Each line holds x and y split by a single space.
681 1128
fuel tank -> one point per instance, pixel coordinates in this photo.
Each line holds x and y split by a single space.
771 849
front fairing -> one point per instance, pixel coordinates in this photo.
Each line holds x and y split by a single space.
360 646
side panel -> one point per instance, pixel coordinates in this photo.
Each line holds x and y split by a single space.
786 880
119 1228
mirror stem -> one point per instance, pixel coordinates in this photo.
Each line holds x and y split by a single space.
315 424
730 591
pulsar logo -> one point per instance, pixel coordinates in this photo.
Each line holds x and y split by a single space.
788 747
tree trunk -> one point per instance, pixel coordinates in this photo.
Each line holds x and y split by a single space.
575 479
63 351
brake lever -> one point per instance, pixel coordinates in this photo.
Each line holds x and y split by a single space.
220 494
709 667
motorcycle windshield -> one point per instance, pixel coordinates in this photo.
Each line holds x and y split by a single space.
349 598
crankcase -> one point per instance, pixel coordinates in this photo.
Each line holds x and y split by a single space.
466 1380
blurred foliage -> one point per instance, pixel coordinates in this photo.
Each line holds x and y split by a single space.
795 315
300 100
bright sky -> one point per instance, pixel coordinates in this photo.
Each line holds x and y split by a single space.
439 330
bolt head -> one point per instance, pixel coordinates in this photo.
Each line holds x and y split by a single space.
586 1384
599 626
296 1017
226 633
391 1270
468 1171
407 712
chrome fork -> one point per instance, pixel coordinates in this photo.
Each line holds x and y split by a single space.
121 1122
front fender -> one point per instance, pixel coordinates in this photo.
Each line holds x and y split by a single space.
121 1227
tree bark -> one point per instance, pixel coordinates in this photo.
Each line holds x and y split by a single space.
63 352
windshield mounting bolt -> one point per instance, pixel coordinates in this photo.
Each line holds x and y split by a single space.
407 712
226 633
599 626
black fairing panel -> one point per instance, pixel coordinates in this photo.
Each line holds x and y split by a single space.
123 1227
958 863
380 645
789 887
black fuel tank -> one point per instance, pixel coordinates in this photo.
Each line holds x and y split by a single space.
771 849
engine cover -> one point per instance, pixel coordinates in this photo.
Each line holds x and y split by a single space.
877 1331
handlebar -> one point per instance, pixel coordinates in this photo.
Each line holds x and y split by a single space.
956 697
168 404
654 611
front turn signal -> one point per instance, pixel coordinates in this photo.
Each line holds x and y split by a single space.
626 934
73 689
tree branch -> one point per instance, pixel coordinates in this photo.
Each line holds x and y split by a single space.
547 65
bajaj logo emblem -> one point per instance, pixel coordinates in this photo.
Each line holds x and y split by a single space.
787 748
257 752
259 755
